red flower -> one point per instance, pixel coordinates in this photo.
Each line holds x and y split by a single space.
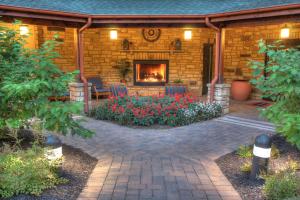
114 107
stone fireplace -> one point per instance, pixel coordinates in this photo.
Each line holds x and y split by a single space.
150 72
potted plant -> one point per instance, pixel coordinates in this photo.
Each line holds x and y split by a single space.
124 67
240 88
178 81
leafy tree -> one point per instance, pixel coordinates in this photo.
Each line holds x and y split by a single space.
282 85
28 77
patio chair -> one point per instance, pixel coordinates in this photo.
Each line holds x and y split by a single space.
172 90
118 90
98 88
64 97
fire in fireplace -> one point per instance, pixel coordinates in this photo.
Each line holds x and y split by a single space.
151 72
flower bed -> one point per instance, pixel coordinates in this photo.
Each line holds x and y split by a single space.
162 110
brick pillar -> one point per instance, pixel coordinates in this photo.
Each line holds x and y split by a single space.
77 92
221 96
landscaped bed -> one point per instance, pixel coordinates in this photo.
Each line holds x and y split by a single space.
74 171
155 110
285 157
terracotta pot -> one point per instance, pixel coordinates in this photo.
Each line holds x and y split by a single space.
240 90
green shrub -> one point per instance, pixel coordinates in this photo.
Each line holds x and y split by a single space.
246 167
163 110
283 86
27 172
281 185
28 77
275 153
293 198
244 151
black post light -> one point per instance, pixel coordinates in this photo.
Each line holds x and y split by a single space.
261 155
54 147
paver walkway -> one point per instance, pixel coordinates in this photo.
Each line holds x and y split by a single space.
175 163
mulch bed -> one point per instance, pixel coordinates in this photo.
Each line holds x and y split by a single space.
230 165
77 167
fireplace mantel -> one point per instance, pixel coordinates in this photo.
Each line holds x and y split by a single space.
154 51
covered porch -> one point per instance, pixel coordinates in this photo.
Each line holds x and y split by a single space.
194 50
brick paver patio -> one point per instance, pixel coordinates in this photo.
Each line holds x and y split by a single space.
176 163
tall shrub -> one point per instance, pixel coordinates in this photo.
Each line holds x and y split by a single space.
282 85
28 77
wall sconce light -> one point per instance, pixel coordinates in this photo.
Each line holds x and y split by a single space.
187 34
285 32
24 31
113 34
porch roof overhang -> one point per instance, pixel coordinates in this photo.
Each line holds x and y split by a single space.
290 9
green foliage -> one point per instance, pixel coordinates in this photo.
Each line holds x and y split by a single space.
164 110
246 167
282 85
282 185
293 198
244 151
27 172
28 77
247 151
293 165
124 67
275 153
178 81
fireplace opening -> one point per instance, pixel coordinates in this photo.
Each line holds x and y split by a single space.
151 72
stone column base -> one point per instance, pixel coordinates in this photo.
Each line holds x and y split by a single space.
221 96
77 92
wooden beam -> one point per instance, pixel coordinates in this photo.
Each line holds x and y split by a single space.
257 15
148 21
264 21
41 16
40 22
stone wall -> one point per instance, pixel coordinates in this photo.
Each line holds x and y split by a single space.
241 45
66 49
101 53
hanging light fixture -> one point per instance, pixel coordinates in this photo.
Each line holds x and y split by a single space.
285 32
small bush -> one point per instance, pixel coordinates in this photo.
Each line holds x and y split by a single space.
246 167
282 85
293 165
275 153
293 198
163 110
244 151
281 185
27 172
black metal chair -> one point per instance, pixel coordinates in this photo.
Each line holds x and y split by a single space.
98 88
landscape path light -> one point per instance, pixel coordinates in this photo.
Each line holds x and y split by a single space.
54 147
261 155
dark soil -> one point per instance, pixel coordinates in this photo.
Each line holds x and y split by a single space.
230 165
77 167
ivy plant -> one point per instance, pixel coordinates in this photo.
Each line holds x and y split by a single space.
279 80
28 77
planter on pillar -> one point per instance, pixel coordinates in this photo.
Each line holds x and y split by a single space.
77 92
221 96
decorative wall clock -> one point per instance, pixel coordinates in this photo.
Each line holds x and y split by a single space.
151 34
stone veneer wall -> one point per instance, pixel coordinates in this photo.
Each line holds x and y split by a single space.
101 53
241 46
66 60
